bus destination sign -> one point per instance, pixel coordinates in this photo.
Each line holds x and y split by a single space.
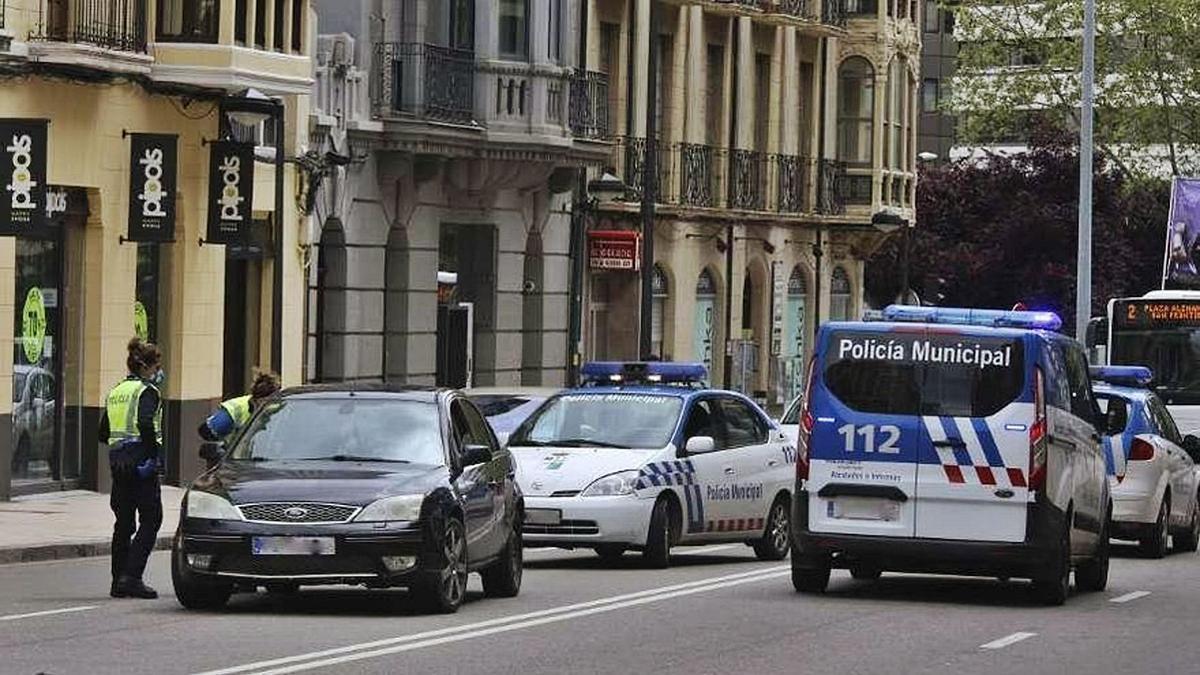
1144 313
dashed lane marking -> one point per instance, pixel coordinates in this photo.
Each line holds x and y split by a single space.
1007 640
48 612
1128 597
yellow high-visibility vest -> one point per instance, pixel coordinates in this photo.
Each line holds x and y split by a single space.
122 409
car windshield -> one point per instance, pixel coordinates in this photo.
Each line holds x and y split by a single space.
498 404
344 429
611 420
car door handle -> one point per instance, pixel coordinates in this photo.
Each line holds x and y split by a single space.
773 462
729 471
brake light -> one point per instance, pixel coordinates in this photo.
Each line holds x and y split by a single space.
1141 451
1037 433
807 422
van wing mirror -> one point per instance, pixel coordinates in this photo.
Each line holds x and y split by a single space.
698 445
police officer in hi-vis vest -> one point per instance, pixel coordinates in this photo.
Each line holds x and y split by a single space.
233 414
131 425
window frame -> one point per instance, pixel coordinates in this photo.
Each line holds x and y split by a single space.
521 50
720 439
866 99
762 430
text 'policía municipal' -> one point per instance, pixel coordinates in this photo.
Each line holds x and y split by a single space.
925 351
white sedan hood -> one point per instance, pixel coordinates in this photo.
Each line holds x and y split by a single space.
544 471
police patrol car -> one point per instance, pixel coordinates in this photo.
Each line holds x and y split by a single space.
1151 466
951 441
642 457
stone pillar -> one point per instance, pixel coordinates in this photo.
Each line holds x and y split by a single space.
790 86
678 94
695 85
269 19
744 138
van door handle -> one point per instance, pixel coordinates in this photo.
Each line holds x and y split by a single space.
729 471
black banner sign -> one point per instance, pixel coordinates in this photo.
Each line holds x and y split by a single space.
230 191
152 179
22 177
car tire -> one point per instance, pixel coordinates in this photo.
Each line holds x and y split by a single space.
863 572
810 575
442 590
1189 540
1053 583
1155 544
194 593
610 553
1092 576
657 553
502 579
777 536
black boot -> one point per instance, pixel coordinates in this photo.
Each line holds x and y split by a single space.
128 587
113 590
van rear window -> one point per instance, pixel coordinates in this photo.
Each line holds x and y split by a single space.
924 374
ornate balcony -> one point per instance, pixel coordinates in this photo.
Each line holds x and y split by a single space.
791 173
426 81
831 188
698 175
589 104
747 180
118 25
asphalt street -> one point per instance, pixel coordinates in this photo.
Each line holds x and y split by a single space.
718 610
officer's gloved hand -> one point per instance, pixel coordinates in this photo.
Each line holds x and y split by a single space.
147 468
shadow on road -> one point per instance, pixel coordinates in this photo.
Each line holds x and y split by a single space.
972 591
354 602
633 561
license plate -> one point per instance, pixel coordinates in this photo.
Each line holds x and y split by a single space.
543 516
292 546
864 508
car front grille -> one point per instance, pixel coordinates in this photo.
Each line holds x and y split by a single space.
293 565
297 512
564 527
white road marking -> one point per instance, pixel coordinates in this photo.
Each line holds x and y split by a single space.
1007 640
48 612
481 627
701 550
1130 596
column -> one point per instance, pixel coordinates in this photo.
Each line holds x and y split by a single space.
695 85
775 113
744 138
641 62
269 23
678 94
882 100
251 18
287 25
790 85
225 29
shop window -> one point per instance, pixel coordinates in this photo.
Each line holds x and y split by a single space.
188 20
840 295
658 311
37 360
856 104
704 340
147 293
514 29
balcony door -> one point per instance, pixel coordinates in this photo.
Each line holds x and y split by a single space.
462 25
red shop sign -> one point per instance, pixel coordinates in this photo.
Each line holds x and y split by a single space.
615 250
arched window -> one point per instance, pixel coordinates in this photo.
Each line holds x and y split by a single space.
704 337
839 295
658 310
856 105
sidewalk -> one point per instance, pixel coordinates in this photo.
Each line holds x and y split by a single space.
73 524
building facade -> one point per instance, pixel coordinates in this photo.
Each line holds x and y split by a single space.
786 153
91 79
939 59
461 127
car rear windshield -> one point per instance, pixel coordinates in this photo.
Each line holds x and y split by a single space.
611 420
933 374
344 429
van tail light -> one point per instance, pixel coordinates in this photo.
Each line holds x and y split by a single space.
1038 433
807 422
1141 451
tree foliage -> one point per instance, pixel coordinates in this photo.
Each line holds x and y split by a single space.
1021 60
1005 231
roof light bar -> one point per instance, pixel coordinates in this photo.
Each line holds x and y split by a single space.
993 318
618 372
1126 376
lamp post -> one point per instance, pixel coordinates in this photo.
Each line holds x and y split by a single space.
1083 294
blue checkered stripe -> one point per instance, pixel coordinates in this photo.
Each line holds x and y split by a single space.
681 473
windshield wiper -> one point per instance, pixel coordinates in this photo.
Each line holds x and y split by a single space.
354 458
584 443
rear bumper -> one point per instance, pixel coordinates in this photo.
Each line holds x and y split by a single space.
935 556
359 550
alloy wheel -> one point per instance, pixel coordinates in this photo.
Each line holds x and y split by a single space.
779 530
454 575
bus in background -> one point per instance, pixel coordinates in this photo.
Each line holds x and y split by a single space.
1160 330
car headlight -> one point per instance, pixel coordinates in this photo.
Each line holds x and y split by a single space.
210 507
612 485
404 507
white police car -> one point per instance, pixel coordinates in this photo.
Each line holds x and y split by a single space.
643 458
951 441
1151 466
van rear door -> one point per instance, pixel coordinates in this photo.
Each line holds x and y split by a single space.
866 434
977 407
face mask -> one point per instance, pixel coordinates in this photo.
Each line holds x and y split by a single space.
158 378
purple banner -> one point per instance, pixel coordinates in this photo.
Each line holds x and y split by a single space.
1182 266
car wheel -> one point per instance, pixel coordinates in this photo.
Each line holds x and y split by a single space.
658 540
195 593
810 575
502 579
777 538
864 572
443 589
610 553
1053 583
1092 576
1155 545
1189 540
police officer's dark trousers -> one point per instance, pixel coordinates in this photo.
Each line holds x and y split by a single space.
137 504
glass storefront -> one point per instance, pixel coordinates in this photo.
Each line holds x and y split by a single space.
37 363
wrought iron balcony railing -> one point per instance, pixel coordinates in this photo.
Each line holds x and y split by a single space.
831 188
589 104
423 80
791 173
119 25
699 165
747 179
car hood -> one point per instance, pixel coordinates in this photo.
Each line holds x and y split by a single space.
543 471
351 483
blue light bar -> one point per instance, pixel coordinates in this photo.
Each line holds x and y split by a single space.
1125 376
618 372
993 318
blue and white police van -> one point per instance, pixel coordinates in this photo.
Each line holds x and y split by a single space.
643 457
951 441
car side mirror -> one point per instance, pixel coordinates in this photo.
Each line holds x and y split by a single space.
698 445
476 454
1191 445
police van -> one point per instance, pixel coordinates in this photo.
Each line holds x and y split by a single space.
951 441
643 457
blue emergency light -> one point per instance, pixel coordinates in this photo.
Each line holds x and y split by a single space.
658 372
1123 376
993 318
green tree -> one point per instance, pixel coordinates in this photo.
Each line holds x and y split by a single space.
1020 61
